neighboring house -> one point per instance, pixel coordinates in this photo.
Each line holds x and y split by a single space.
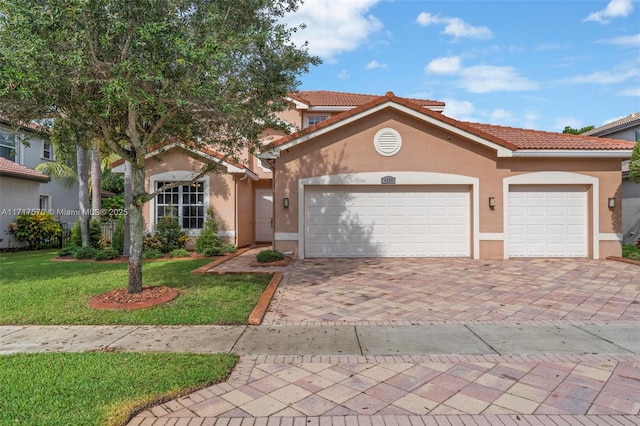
379 176
28 146
19 192
626 128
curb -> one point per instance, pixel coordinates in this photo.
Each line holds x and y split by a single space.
259 311
624 260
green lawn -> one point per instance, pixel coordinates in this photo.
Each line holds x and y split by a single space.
61 389
36 290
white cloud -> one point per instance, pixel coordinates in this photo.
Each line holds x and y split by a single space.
615 9
632 91
460 110
487 78
625 41
444 65
455 27
333 26
375 64
500 116
603 77
343 75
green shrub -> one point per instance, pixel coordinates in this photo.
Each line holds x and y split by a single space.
151 254
266 256
179 253
36 228
170 233
152 242
95 233
85 253
213 251
117 240
228 248
107 254
67 251
208 237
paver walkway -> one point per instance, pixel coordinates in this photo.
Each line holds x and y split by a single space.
421 390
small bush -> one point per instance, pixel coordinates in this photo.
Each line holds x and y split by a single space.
266 256
36 228
228 248
152 254
208 237
152 242
213 251
67 252
170 233
179 253
85 253
95 233
107 254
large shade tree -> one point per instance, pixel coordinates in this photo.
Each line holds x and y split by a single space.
136 72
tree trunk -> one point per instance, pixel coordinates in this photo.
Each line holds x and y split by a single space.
127 201
136 231
96 179
83 193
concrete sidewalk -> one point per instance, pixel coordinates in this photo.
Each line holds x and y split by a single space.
456 339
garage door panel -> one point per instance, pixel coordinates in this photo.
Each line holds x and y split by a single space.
547 222
398 221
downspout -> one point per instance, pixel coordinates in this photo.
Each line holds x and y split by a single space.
236 217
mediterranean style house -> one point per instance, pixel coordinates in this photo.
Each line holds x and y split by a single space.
385 176
22 148
626 128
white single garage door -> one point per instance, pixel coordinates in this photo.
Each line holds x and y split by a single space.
402 221
547 221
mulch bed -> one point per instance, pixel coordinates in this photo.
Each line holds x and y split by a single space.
121 298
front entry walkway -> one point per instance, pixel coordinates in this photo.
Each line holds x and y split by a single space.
427 291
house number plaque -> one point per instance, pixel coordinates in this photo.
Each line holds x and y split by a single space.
388 180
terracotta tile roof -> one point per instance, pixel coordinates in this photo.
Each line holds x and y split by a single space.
11 169
623 122
34 127
508 137
194 148
536 139
315 98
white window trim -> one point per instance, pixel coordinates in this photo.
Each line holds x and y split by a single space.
375 178
306 119
52 156
49 202
556 178
18 144
177 175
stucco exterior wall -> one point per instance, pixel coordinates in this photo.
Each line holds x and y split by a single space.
426 148
175 165
15 196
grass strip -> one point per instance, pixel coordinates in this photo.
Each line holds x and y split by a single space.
35 290
99 388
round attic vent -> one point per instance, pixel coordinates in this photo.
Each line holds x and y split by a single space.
387 142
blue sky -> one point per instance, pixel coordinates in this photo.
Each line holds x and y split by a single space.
532 64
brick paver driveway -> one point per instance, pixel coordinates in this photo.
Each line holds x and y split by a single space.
422 291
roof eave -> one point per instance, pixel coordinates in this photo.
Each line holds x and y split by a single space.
573 153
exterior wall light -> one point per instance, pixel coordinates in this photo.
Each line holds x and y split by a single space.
612 203
492 202
285 202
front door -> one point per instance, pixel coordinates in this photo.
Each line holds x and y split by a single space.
264 215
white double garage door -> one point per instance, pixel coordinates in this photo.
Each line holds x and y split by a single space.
436 221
